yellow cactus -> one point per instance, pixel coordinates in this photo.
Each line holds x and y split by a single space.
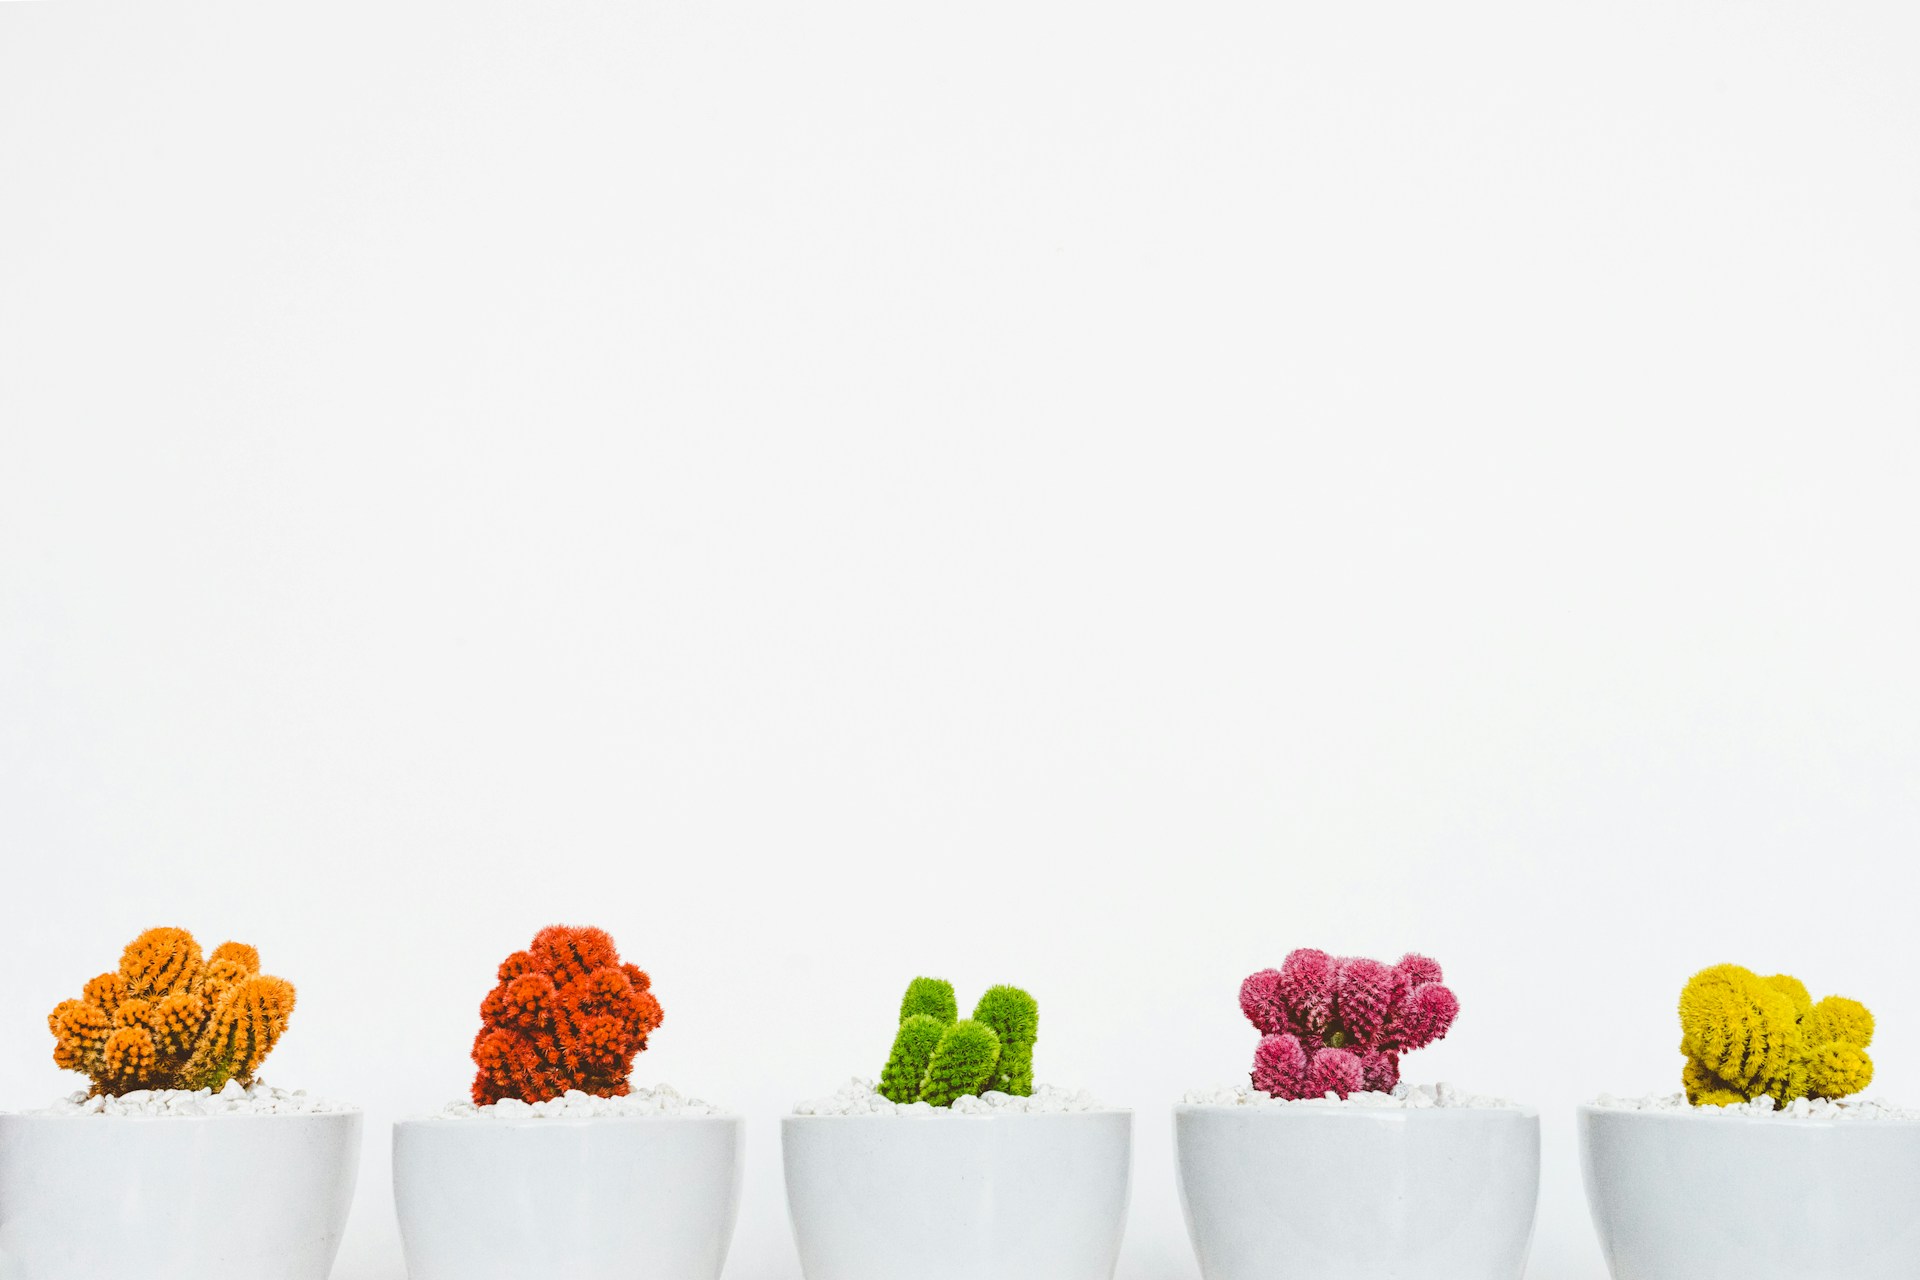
1745 1035
170 1019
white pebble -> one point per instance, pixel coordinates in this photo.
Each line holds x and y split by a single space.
661 1100
1853 1109
859 1098
257 1099
1405 1097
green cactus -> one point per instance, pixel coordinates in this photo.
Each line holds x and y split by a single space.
932 997
913 1049
962 1063
936 1058
1015 1018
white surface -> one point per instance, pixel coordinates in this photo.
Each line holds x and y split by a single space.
611 1198
1009 1197
1357 1192
175 1198
1083 495
1736 1197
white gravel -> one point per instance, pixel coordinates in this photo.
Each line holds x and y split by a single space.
255 1100
660 1100
858 1098
1798 1109
1405 1097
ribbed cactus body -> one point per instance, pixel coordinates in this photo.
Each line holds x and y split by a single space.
932 997
962 1063
170 1019
1014 1017
567 1013
912 1051
1745 1036
1340 1024
937 1058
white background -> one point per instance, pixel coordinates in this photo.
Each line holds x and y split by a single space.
1080 494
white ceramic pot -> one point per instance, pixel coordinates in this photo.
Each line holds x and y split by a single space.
1362 1193
603 1198
1003 1197
1706 1196
175 1197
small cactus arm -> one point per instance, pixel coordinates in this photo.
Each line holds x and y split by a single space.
247 1023
913 1048
1014 1017
1838 1018
1745 1036
567 1013
1743 1032
932 997
1280 1066
160 962
1335 1071
962 1063
170 1018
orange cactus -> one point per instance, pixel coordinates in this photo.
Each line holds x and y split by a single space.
169 1019
567 1014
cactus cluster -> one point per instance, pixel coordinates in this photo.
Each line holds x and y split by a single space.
170 1018
1744 1036
1333 1024
938 1056
567 1014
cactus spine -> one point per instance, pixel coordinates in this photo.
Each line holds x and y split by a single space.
938 1057
1744 1036
170 1018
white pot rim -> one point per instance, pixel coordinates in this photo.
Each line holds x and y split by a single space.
1317 1108
963 1116
1770 1119
220 1117
563 1122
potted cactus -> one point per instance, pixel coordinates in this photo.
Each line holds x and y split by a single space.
956 1166
1765 1164
1328 1163
177 1159
558 1165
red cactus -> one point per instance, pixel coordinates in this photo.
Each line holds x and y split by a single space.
567 1014
1337 1025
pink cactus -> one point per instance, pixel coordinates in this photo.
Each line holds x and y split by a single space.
1260 1001
1339 1025
1306 990
1280 1067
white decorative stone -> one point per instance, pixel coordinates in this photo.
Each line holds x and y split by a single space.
660 1100
1404 1097
858 1098
1846 1109
256 1099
